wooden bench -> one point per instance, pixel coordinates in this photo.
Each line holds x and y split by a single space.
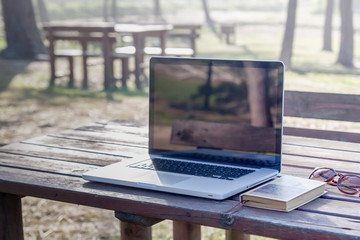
186 32
124 62
69 54
55 34
228 30
326 106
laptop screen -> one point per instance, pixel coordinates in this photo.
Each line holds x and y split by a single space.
223 106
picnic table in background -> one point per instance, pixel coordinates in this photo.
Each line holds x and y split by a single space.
50 167
139 33
85 32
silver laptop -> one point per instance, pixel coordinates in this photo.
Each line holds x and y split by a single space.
215 128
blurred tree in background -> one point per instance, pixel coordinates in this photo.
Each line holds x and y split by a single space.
22 35
288 40
328 25
346 52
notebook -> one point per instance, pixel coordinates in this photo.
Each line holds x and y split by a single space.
215 128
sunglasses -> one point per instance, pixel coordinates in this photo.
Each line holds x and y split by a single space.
348 184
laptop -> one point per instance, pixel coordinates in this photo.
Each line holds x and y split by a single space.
215 128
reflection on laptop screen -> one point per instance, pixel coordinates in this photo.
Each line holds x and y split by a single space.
217 105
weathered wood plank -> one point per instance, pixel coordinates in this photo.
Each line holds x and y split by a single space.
323 134
177 207
11 225
183 230
333 207
88 146
41 164
322 153
66 155
115 127
321 143
124 122
343 107
347 167
104 137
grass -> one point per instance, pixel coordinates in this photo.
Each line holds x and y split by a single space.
28 108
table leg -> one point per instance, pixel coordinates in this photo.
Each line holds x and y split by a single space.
52 60
233 235
139 43
135 227
131 231
108 82
163 42
183 231
85 84
11 225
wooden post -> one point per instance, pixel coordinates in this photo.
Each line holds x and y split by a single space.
233 235
71 68
193 41
184 231
108 81
84 47
139 43
125 72
135 227
51 56
11 226
132 231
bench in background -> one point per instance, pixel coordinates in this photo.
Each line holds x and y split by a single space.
185 34
326 106
84 39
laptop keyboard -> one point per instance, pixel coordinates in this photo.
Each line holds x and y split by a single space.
194 169
224 159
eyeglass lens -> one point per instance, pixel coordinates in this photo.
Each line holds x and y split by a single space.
349 184
323 174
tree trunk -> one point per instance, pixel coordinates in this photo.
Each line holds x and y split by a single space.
157 10
105 11
346 53
208 19
258 96
43 13
114 10
22 35
328 25
288 40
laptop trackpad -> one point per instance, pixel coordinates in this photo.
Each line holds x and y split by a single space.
161 179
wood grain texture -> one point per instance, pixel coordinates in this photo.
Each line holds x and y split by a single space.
60 154
233 235
183 231
323 134
130 231
343 107
112 149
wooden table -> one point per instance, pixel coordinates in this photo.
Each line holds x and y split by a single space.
139 33
50 167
